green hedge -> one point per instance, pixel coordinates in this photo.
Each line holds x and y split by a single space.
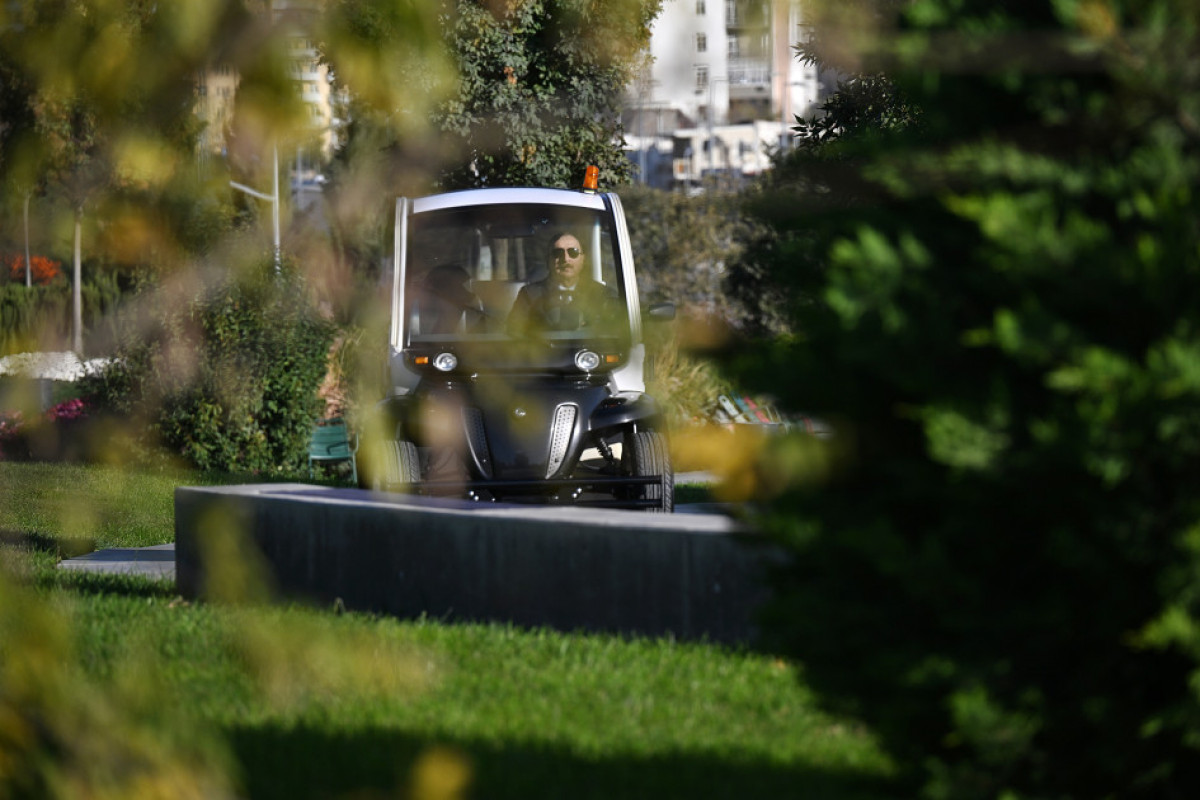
226 380
39 317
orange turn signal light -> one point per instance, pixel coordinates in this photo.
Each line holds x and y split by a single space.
421 360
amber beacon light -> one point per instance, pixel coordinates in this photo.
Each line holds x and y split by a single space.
591 179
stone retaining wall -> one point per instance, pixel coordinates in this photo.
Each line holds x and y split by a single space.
687 575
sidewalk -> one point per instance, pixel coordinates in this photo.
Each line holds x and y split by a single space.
148 562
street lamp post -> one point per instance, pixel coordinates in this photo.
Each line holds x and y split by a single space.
272 198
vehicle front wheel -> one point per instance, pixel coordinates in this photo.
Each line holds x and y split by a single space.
389 465
645 453
402 466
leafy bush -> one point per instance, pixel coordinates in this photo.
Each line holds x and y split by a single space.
39 317
688 252
226 379
1002 573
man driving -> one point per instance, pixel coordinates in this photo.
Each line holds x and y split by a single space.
564 300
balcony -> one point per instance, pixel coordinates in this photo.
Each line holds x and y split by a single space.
749 71
746 15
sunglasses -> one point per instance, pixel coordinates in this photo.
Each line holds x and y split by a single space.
568 252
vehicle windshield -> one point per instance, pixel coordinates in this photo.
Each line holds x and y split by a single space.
512 272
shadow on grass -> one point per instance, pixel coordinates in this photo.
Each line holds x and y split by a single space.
299 763
99 583
60 546
45 574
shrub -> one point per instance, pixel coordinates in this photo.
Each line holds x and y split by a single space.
227 379
687 250
39 317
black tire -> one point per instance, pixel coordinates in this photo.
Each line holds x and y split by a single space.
401 466
388 465
646 454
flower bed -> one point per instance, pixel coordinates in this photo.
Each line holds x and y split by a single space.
52 436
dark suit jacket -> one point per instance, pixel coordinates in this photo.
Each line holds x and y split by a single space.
542 306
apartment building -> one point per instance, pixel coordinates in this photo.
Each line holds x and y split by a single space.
722 87
311 77
216 87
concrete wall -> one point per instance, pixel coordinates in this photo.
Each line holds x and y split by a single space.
687 575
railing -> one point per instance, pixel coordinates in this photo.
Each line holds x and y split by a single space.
745 70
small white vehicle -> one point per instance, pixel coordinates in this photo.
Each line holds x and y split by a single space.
516 355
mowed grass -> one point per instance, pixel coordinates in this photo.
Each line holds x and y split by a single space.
310 703
106 506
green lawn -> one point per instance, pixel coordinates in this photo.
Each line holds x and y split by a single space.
303 703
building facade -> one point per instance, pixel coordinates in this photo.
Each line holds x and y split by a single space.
216 87
720 91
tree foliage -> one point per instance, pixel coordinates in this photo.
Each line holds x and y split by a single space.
119 115
540 88
1000 571
866 101
685 247
519 94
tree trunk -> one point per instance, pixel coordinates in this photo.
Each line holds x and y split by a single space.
28 263
77 292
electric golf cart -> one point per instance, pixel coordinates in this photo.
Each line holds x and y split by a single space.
516 355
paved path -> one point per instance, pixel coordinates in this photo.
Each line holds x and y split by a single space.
150 562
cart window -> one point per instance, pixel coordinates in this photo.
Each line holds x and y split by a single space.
466 266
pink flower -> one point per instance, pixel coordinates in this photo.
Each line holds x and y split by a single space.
67 410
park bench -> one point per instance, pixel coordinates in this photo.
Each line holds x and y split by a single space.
733 409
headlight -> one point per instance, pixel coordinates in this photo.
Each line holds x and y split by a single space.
586 360
444 362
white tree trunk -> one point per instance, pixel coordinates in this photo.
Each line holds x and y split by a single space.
77 292
28 263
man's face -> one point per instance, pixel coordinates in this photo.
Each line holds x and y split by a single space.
566 259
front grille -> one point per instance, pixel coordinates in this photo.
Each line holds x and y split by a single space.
560 436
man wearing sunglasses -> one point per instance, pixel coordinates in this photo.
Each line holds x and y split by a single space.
565 300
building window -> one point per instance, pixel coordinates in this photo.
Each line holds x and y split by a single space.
701 77
700 9
701 43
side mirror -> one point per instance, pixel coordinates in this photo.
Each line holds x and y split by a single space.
663 312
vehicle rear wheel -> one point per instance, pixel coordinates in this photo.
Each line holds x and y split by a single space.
645 453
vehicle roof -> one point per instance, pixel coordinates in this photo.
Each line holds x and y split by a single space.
480 197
